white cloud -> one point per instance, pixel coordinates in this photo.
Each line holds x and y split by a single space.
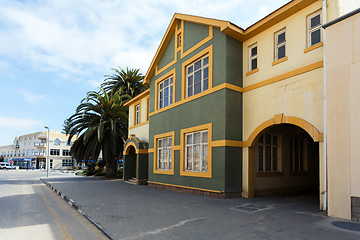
18 123
30 97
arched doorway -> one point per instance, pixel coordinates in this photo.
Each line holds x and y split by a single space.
286 160
130 163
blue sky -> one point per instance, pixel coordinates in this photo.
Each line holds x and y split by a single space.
53 52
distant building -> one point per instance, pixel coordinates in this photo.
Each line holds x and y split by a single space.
30 151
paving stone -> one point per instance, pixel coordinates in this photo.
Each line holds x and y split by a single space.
128 211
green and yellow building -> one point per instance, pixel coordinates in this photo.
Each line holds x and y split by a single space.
232 111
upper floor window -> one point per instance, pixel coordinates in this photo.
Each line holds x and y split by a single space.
55 152
137 114
314 28
166 92
268 153
253 57
164 154
179 40
196 151
197 76
66 152
57 142
280 44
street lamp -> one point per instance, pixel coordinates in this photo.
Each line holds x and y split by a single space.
48 151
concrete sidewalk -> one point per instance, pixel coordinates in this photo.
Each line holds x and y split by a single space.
127 211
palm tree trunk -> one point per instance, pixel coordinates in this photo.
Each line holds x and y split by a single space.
110 166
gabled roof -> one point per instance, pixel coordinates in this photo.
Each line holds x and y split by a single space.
228 28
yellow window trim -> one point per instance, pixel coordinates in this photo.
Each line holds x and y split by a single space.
138 125
156 137
252 72
318 45
158 81
206 51
207 174
280 61
180 186
147 108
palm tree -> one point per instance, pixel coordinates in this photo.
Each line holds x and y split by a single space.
129 82
100 121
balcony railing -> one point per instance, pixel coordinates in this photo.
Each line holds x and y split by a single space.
39 144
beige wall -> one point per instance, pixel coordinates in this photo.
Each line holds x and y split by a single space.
299 93
141 130
343 114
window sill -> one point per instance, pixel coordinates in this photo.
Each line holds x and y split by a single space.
252 72
280 61
195 174
138 125
320 44
168 172
269 174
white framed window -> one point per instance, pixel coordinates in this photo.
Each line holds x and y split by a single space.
253 57
179 40
297 154
165 92
51 163
196 151
67 162
280 44
164 153
268 153
66 152
137 114
55 152
314 28
197 76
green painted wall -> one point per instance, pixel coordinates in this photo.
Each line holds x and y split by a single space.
169 53
191 38
221 108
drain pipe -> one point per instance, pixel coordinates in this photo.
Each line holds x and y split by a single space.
324 20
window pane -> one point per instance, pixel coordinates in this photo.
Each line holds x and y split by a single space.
189 158
315 21
169 142
189 139
267 158
205 157
281 52
261 139
171 80
190 69
206 61
196 166
204 138
171 95
197 88
267 138
197 65
161 103
165 142
315 37
190 91
197 138
161 86
190 80
281 38
205 84
253 51
254 64
166 92
206 73
166 83
197 77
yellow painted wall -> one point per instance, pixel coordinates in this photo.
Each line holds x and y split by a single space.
141 130
299 95
343 114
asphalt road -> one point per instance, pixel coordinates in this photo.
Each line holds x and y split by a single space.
30 210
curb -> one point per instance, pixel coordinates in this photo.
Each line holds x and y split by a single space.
77 207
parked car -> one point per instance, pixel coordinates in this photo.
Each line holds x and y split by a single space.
6 165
